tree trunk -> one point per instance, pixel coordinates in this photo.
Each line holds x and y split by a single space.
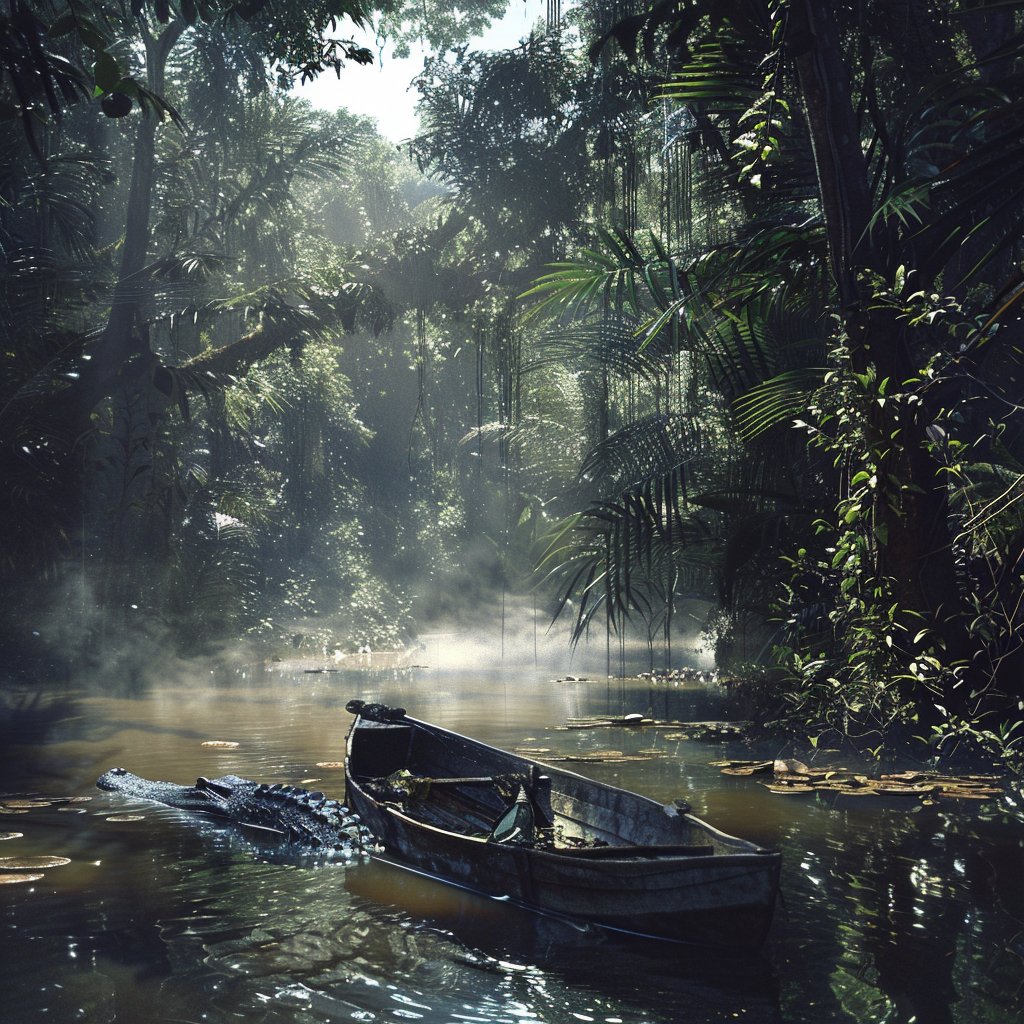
917 553
123 338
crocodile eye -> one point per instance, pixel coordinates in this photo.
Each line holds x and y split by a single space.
120 771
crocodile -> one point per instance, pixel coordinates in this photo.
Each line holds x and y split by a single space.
301 818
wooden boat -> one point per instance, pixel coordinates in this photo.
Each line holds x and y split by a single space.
551 840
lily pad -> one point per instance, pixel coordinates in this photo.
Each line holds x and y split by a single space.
330 764
32 863
601 757
753 766
10 835
909 777
219 743
897 790
126 817
908 791
13 879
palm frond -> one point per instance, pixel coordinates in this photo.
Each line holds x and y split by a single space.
778 400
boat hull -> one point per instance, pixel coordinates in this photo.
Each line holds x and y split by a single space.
638 884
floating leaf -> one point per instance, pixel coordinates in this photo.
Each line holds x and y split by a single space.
126 817
907 777
10 835
219 743
911 791
31 863
900 789
330 764
754 767
10 879
26 805
603 757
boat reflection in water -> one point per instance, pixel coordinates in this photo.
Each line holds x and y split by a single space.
397 941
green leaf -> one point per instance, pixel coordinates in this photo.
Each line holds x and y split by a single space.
128 86
62 25
776 401
91 35
106 72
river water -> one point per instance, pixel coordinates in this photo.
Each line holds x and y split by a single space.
886 916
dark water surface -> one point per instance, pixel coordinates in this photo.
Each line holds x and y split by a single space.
888 916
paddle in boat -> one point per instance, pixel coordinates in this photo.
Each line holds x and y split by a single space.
551 840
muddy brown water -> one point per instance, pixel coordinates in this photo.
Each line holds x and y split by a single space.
887 916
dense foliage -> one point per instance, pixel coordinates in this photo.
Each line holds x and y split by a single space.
859 296
678 316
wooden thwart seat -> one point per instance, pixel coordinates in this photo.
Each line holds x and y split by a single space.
632 852
483 780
